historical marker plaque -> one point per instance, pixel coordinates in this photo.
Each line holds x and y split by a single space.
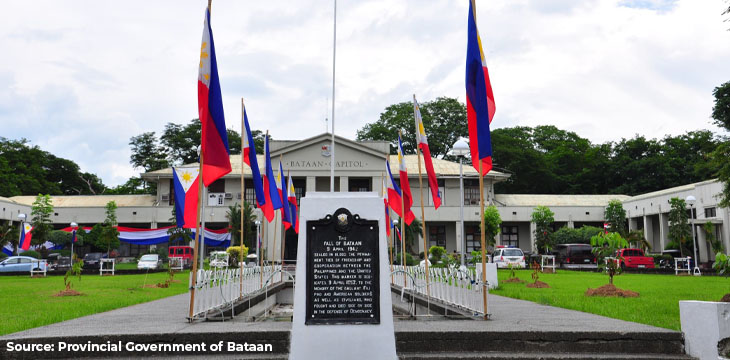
342 270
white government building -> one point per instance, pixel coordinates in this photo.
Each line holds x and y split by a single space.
360 167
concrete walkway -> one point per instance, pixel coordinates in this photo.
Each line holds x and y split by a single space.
167 316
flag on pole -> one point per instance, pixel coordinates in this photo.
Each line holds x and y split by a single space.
388 222
25 236
394 195
293 208
186 189
73 235
403 177
214 137
249 157
271 193
479 97
423 145
286 218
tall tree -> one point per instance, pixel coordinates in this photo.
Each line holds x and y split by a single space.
679 228
615 215
40 213
10 234
234 223
443 119
146 153
109 236
492 225
721 117
543 218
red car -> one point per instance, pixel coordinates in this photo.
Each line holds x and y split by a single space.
634 258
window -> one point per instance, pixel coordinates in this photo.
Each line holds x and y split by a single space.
359 184
171 201
471 192
442 191
300 188
710 212
218 186
509 235
437 235
473 238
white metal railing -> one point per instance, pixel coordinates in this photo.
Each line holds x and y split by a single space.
451 286
547 262
681 265
218 289
103 269
39 266
175 263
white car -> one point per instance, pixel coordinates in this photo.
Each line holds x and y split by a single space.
149 262
219 259
504 257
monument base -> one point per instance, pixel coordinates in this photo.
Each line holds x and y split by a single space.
341 340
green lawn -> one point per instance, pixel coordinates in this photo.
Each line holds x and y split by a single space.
657 304
27 303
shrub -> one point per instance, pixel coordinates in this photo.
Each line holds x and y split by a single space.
234 252
3 255
437 252
63 252
410 261
31 253
722 264
566 235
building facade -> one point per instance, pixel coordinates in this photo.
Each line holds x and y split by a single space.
360 166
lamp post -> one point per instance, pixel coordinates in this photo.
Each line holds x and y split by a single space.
74 229
461 149
258 235
395 241
20 236
691 201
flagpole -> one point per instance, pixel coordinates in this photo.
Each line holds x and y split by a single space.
402 218
263 245
334 55
193 282
484 249
283 232
243 199
423 213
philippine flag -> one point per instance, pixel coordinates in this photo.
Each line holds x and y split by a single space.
285 209
293 208
25 236
249 157
389 224
271 192
423 145
479 97
394 195
214 137
186 189
403 177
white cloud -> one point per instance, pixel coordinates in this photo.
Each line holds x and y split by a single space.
80 78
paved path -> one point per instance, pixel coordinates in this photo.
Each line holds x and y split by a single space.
166 316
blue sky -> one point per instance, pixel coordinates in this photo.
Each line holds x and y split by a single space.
80 78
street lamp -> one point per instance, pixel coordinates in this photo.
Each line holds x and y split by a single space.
691 201
22 223
461 149
74 228
258 237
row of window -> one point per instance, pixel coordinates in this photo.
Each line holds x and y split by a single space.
217 189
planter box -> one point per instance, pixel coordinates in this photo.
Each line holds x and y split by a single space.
704 324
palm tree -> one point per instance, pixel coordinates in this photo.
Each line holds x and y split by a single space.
412 232
234 223
9 234
177 233
636 238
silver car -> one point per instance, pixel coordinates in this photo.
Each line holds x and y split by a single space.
149 261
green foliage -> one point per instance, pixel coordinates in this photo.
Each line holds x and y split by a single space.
637 239
715 244
476 257
719 161
722 264
234 254
146 153
75 270
680 232
443 119
543 218
109 237
492 225
178 236
410 260
31 253
10 234
582 235
3 256
437 252
60 237
606 246
616 216
413 231
721 109
133 186
234 224
40 213
28 170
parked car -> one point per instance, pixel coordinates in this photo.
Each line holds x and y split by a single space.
573 254
93 260
22 263
149 262
184 252
634 258
504 257
667 263
219 259
58 262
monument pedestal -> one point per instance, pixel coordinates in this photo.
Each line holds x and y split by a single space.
342 302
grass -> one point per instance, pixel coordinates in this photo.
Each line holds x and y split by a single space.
27 303
657 304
